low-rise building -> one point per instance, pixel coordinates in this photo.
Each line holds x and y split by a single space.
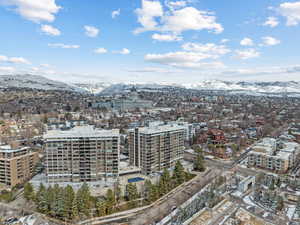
216 136
274 155
16 164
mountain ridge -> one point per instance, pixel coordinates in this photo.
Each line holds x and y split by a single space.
43 83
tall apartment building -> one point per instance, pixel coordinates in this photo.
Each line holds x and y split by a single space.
82 154
271 154
155 148
16 164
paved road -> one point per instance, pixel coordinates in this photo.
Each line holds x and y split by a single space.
162 209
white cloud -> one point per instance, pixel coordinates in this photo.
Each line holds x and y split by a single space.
270 41
182 59
176 4
91 31
215 51
115 13
60 45
224 40
284 73
190 18
20 60
152 18
147 15
247 42
34 10
166 37
100 51
192 56
124 51
290 10
50 30
154 70
45 65
247 53
16 60
271 22
6 69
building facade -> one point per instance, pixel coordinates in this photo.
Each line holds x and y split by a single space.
82 154
16 165
129 103
271 154
155 148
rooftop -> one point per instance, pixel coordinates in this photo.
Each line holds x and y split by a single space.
160 129
268 146
81 131
9 149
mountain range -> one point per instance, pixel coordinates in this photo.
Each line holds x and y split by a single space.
104 88
35 82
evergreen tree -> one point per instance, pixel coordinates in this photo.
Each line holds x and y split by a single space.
199 163
83 199
110 201
41 200
178 174
28 192
101 208
74 209
147 190
154 193
57 200
50 200
165 182
132 195
69 197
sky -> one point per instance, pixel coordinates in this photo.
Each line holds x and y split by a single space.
154 41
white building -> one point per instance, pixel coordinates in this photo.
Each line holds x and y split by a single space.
275 155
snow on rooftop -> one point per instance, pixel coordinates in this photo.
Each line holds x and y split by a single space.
160 129
8 148
81 131
268 146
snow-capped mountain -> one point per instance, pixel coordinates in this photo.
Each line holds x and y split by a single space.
212 85
259 87
95 88
106 88
35 82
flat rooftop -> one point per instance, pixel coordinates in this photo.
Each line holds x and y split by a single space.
9 149
267 146
160 129
81 131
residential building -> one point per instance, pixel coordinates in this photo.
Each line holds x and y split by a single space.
16 164
155 148
82 154
216 136
274 155
131 102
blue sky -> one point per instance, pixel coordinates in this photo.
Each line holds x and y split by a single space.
170 41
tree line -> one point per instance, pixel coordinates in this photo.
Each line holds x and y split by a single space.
66 204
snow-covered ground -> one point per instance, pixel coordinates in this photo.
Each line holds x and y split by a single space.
248 201
28 220
41 178
290 211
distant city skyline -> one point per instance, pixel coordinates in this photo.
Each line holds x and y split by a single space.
156 41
